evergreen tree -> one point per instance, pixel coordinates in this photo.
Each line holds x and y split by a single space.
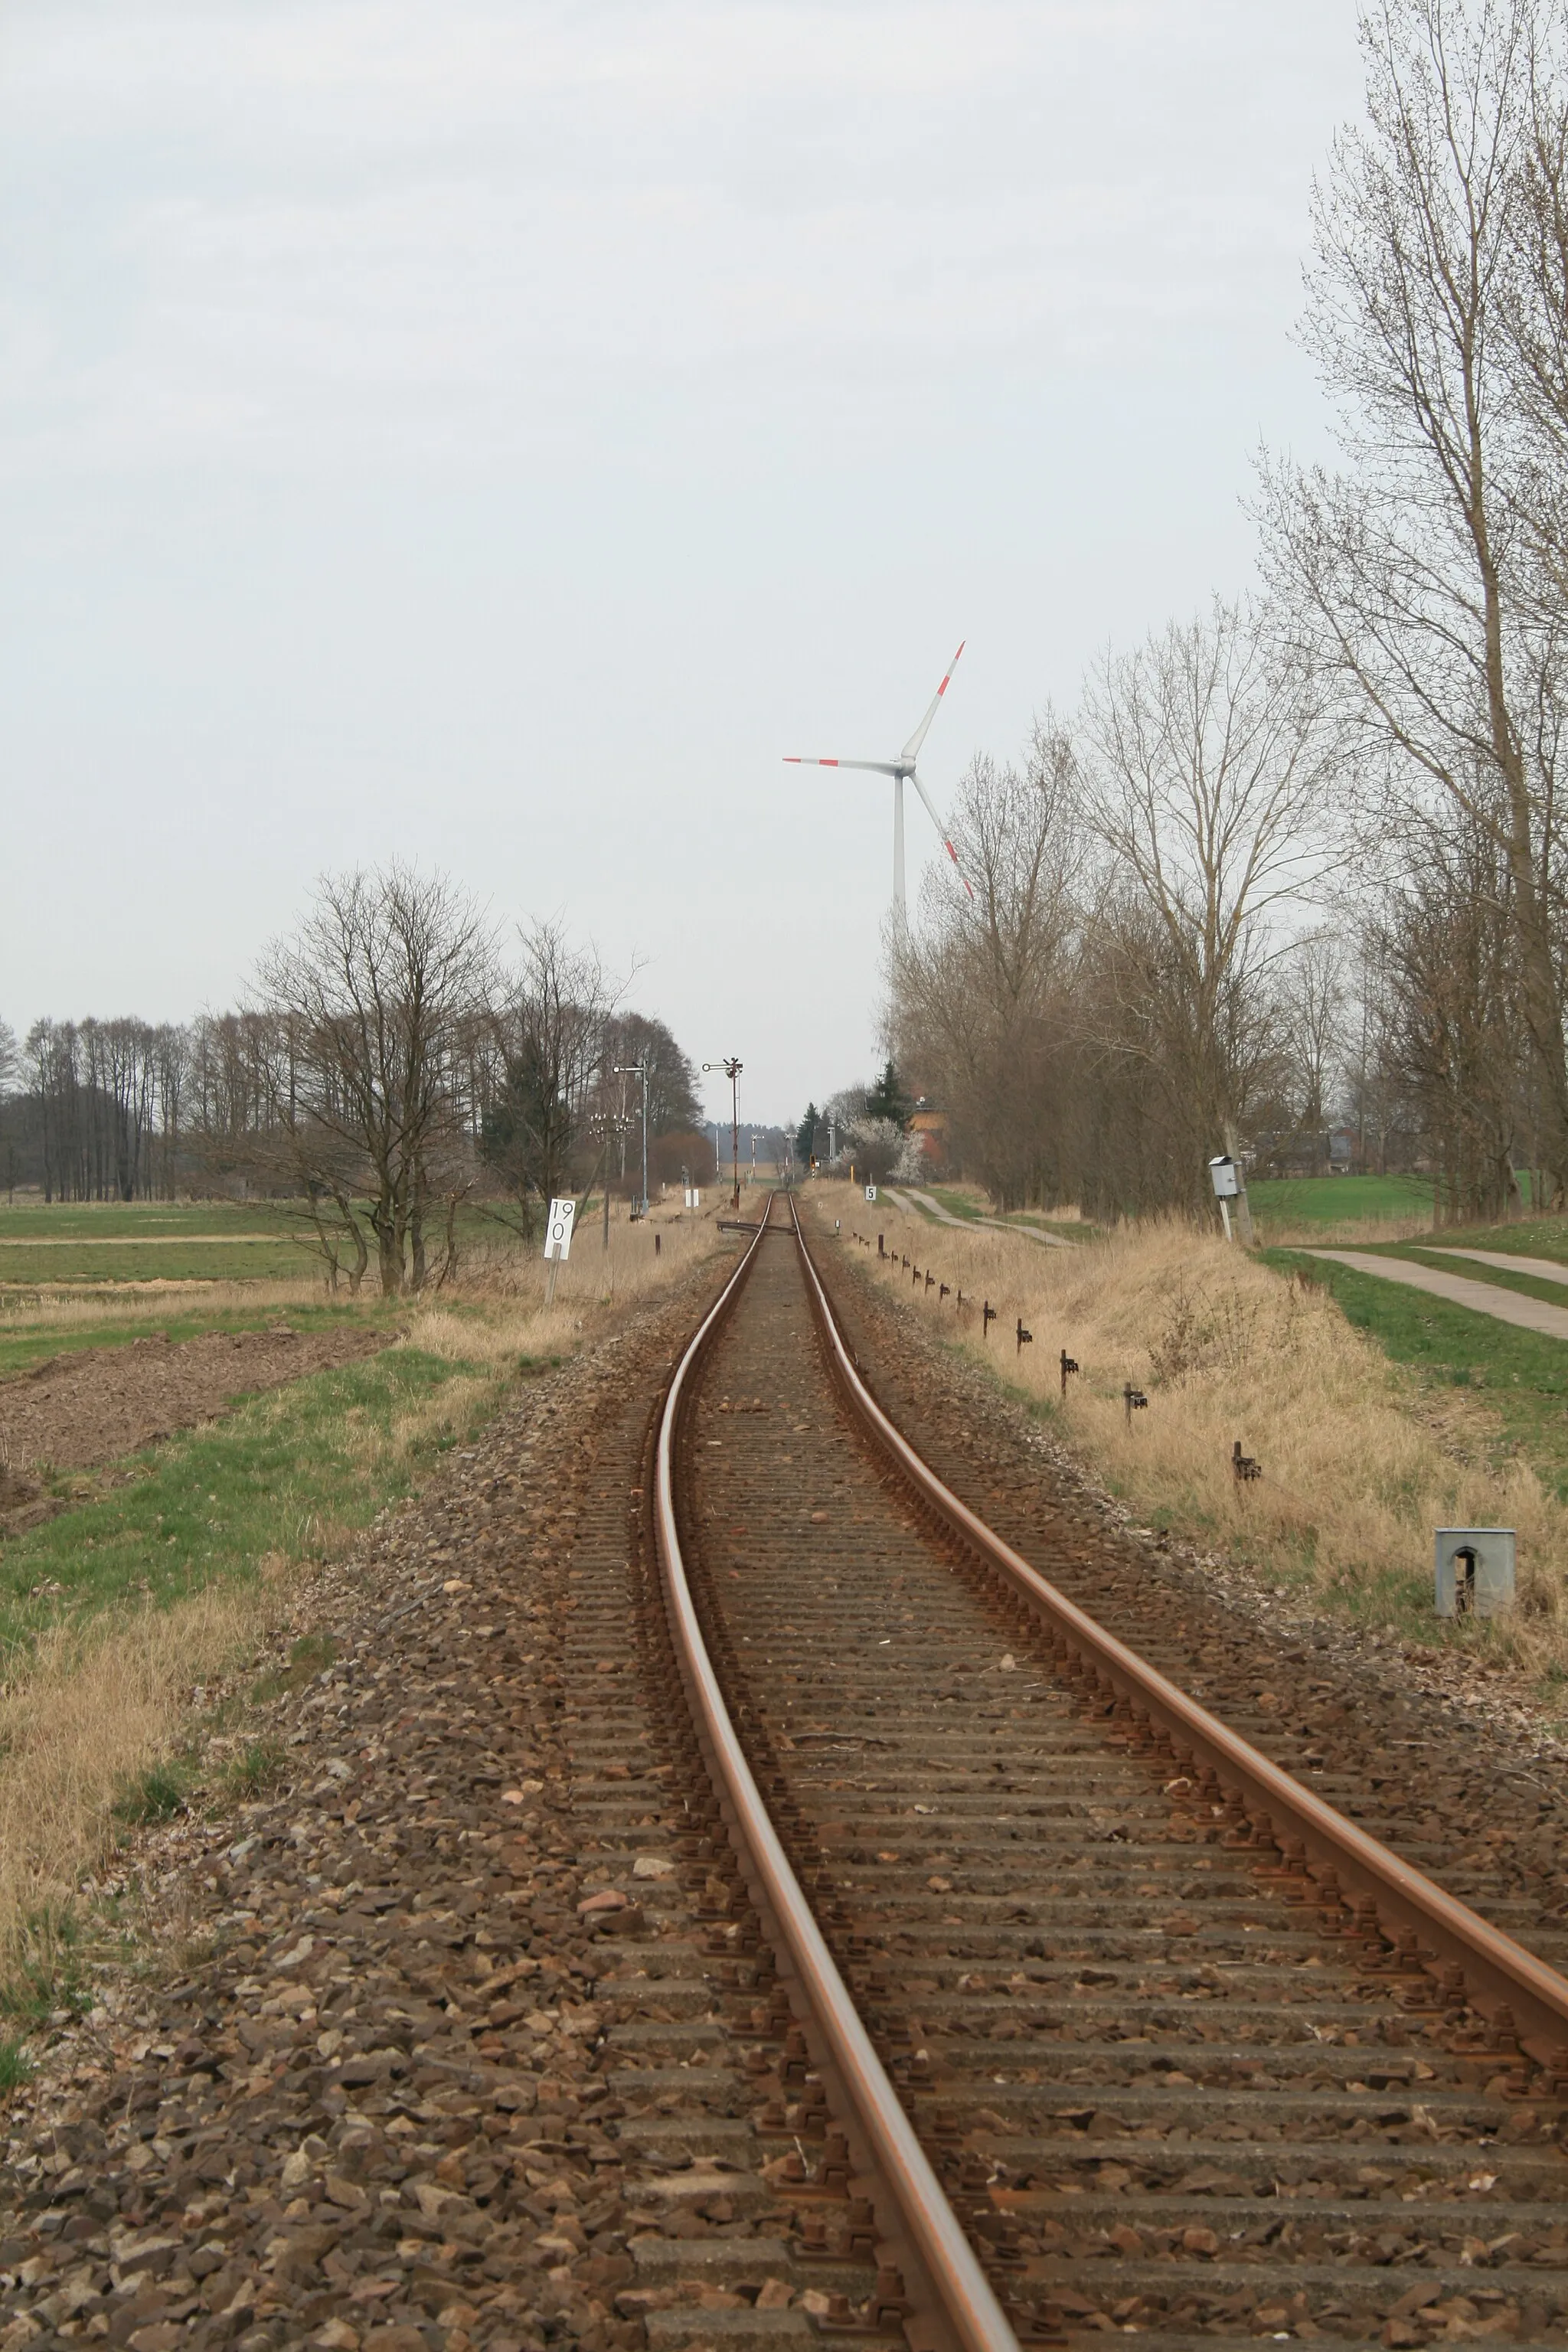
805 1135
887 1099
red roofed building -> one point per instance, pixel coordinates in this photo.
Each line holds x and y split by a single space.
929 1128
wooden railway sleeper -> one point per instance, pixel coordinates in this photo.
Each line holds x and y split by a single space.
956 2309
1499 1974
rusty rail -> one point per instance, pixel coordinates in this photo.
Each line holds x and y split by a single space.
956 2309
1500 1977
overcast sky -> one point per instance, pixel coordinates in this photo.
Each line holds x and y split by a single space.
496 434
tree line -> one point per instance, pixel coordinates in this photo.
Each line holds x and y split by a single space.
395 1059
865 1127
1298 865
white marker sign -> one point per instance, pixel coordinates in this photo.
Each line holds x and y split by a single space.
558 1230
870 1191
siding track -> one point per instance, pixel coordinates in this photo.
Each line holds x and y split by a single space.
1188 2052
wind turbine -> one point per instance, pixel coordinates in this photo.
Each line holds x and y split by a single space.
899 769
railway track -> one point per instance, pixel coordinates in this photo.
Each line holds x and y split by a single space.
1069 2010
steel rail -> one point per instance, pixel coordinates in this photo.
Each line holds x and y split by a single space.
961 2294
1498 1973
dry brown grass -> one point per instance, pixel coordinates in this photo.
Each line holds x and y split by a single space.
495 1318
593 1275
97 1708
1356 1474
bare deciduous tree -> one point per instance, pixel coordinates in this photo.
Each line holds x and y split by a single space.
974 990
1312 1002
366 1006
1417 572
1204 777
1445 935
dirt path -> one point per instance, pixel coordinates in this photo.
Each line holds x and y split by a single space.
1482 1297
992 1224
1545 1269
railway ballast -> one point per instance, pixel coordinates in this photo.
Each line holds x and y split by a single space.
1187 2051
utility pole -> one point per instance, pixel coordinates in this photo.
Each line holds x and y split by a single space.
732 1069
639 1069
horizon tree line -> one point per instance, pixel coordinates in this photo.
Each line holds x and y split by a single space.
394 1060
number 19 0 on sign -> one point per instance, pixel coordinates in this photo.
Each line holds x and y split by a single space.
558 1229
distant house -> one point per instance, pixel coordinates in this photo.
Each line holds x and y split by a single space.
930 1126
1310 1152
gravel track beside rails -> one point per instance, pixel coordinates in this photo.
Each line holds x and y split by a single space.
416 2099
1169 2093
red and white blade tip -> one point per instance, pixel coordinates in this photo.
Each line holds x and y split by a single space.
793 760
952 665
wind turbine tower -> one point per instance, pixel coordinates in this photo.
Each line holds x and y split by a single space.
901 770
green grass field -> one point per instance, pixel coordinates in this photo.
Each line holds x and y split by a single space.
1279 1205
1529 1237
219 1256
95 1248
213 1502
1521 1376
969 1205
30 1220
76 1242
1279 1202
185 1258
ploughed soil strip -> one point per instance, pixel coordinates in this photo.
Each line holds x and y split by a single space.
475 2050
79 1410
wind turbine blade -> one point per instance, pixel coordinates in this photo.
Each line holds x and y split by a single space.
931 812
912 750
877 767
